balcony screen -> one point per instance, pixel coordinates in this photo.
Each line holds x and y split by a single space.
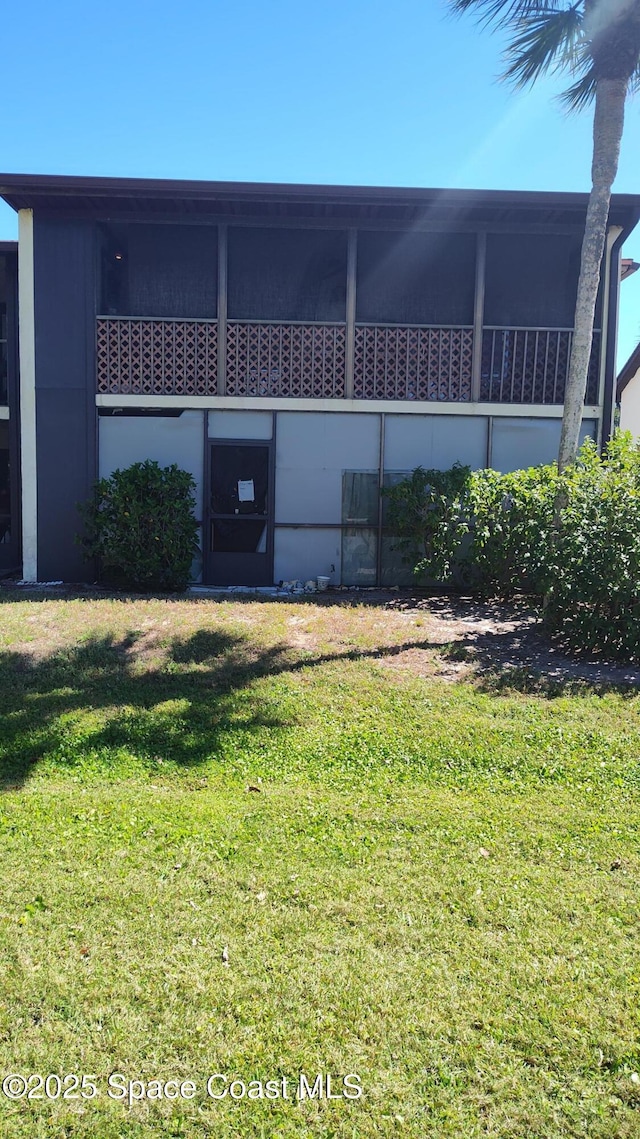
287 274
531 280
416 278
159 270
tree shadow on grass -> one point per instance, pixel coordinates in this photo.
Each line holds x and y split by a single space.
83 699
88 702
521 660
102 699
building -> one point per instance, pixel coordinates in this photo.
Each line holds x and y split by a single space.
294 347
628 393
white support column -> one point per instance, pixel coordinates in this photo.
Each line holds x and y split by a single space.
27 341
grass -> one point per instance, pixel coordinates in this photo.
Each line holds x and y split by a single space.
429 882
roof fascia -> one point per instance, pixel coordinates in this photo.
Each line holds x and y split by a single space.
34 186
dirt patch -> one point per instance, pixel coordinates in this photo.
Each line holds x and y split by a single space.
458 638
504 643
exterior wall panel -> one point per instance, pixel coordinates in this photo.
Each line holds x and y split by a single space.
65 303
306 553
312 450
229 424
132 439
434 441
518 443
11 545
65 478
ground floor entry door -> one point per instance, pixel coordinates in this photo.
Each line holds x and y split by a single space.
239 516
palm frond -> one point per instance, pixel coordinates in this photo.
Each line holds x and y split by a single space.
505 12
548 36
545 42
581 93
634 82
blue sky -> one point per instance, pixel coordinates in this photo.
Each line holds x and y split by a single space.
340 91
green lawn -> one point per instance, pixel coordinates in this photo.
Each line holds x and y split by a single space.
266 839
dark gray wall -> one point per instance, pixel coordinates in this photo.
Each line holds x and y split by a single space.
11 549
65 389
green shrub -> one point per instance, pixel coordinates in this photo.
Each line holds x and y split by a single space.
593 600
573 540
140 527
512 522
424 516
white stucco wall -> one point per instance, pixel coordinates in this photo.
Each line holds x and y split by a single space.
630 406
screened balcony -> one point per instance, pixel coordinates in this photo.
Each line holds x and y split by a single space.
334 314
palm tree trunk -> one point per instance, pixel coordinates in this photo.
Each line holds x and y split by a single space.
607 133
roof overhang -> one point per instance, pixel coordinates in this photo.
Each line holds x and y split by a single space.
137 197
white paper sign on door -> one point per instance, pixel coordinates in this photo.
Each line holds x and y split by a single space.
246 492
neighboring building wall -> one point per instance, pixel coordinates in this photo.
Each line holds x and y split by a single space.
630 406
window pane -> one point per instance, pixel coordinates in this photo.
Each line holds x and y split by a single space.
238 536
396 568
360 497
359 549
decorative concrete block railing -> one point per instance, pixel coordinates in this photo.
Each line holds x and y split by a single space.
407 362
274 359
157 357
310 361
